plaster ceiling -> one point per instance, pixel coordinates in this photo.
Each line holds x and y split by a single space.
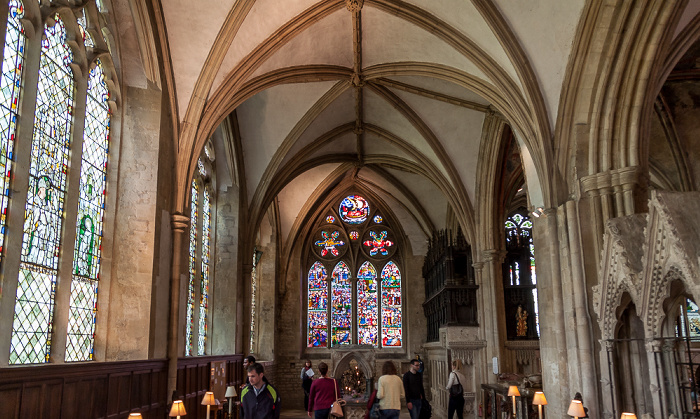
400 90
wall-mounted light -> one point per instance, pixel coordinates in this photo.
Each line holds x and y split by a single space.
537 212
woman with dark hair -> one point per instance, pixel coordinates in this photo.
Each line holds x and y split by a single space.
324 391
307 374
390 392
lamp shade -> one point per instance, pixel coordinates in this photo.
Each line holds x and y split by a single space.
230 392
576 409
178 409
539 399
209 399
513 391
135 415
627 415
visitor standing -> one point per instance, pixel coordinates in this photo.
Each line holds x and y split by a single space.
389 392
413 387
259 400
323 393
456 388
307 376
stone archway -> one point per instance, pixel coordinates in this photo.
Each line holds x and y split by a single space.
365 359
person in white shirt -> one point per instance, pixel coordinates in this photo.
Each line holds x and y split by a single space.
455 385
390 392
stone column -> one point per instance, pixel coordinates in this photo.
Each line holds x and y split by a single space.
656 380
180 224
492 285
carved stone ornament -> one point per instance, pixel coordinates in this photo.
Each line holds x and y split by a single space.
354 5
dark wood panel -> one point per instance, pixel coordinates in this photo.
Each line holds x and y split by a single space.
108 390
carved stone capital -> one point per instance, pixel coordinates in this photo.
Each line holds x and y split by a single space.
179 222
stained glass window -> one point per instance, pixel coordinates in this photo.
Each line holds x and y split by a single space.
354 209
253 299
10 89
341 305
318 306
204 283
520 279
31 330
189 323
367 324
88 240
356 304
82 24
391 305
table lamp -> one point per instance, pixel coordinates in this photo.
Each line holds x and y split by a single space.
539 400
178 409
513 392
135 416
230 394
209 401
576 409
627 415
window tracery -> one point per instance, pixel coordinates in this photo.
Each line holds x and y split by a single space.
365 303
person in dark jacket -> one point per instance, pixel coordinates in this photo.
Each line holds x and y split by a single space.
413 387
259 400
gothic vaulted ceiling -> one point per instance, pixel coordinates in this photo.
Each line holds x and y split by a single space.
393 93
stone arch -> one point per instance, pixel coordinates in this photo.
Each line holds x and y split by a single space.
365 360
661 291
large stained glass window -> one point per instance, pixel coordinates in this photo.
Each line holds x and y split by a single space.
317 281
360 307
520 279
189 322
204 283
10 89
91 204
341 305
31 330
391 305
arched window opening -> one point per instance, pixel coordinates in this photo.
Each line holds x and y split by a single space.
91 204
520 279
31 330
353 238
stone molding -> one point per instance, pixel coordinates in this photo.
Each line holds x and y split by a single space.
526 351
465 350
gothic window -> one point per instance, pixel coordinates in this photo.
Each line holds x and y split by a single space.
189 322
520 279
31 336
197 316
91 204
361 302
45 143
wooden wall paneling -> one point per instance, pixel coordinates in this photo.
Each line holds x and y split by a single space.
9 401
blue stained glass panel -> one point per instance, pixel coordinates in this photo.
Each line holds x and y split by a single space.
367 324
391 305
317 283
341 305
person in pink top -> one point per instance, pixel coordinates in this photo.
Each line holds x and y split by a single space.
323 394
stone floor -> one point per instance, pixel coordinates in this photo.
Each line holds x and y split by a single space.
300 414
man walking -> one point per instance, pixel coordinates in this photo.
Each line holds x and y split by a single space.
413 387
259 399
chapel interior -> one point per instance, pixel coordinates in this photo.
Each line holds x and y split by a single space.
511 184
